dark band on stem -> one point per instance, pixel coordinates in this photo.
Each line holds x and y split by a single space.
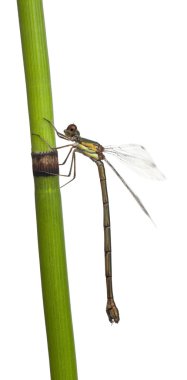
45 164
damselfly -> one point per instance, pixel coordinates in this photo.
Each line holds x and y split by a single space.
136 157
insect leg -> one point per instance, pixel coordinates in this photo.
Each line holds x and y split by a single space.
73 166
42 139
52 148
67 156
52 125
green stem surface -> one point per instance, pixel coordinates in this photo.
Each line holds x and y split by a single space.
47 196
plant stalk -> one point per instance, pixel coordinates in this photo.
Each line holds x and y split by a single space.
47 195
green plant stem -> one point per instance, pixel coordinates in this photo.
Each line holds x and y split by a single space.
47 196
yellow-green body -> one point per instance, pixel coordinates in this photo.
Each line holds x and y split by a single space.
90 148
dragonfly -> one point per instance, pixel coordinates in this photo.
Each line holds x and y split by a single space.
135 157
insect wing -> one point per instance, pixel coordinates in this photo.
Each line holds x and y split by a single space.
137 158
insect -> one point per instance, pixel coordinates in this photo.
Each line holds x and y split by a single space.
136 157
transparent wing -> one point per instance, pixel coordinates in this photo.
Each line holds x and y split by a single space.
137 158
130 190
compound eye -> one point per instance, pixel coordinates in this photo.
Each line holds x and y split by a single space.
72 128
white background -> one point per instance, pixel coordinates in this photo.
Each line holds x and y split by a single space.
119 71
